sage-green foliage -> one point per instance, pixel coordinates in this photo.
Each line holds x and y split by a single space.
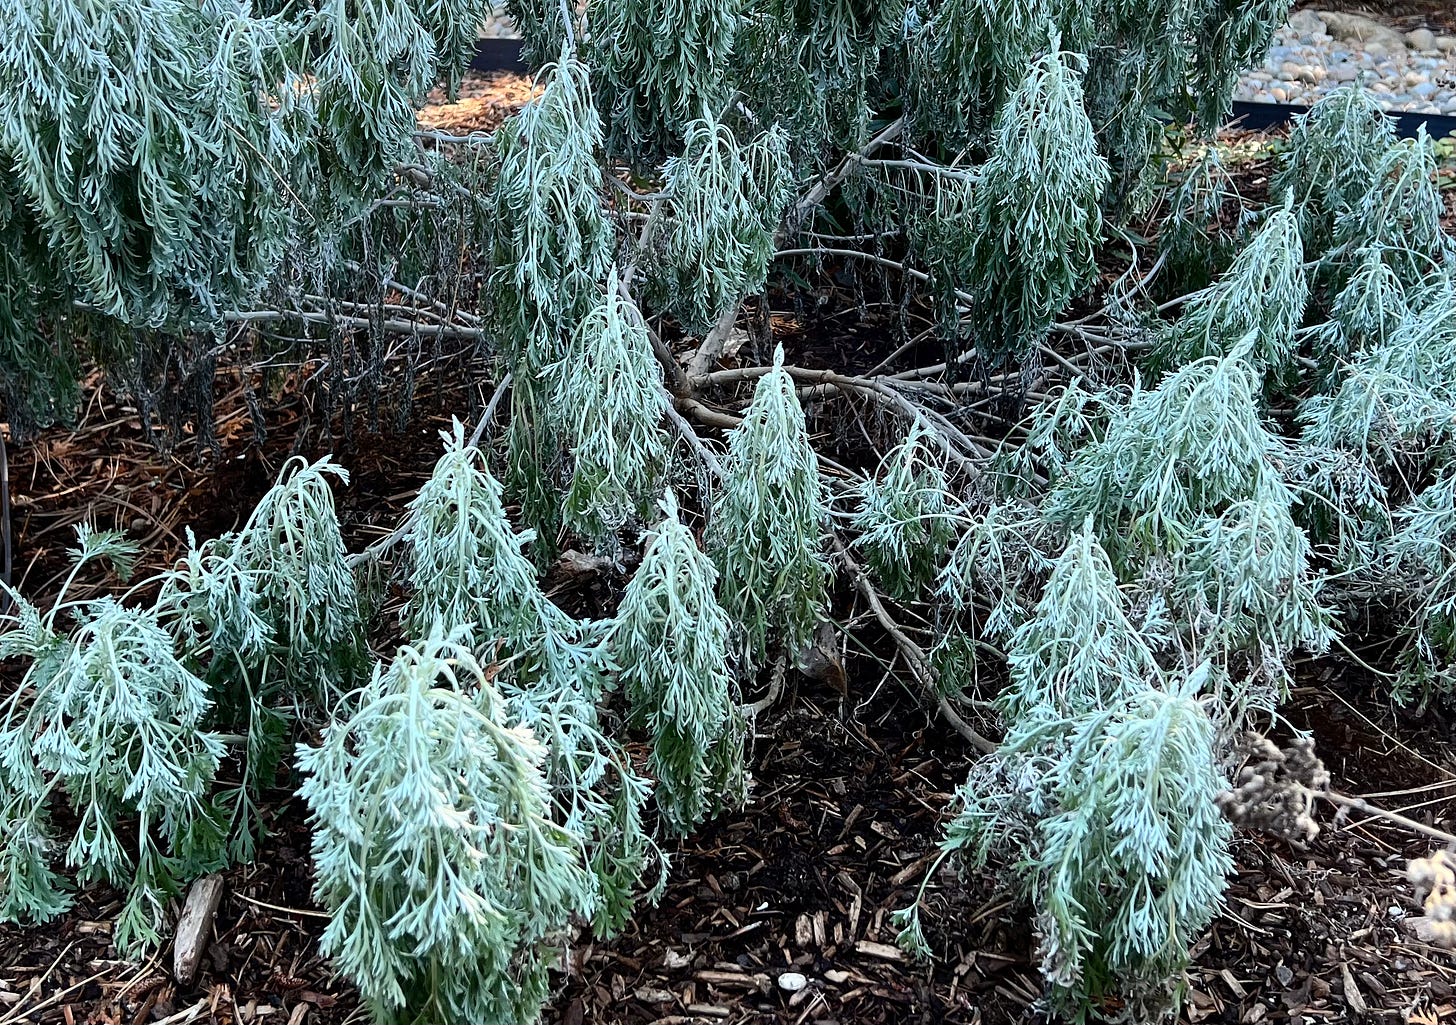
1228 37
766 529
906 518
1366 312
1037 205
438 847
1332 160
965 59
1394 396
671 640
660 65
1357 188
1100 797
121 701
291 555
1194 244
167 203
1220 317
727 201
1189 473
1400 214
1389 414
610 386
1152 554
553 244
1144 554
272 618
1420 559
552 251
109 717
162 157
470 579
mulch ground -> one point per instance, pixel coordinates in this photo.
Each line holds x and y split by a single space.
849 800
482 103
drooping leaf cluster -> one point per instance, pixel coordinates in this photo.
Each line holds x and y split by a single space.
437 845
121 705
162 158
766 528
672 641
1102 794
612 385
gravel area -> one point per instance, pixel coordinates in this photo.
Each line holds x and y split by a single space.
1320 51
498 26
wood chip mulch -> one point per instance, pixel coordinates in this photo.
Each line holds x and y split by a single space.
484 101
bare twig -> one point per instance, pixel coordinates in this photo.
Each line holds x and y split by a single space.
361 323
712 347
8 555
704 454
384 544
956 444
915 656
489 411
775 688
1394 818
816 195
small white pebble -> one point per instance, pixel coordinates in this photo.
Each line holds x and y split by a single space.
792 982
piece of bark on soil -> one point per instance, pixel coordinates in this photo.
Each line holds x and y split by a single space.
194 927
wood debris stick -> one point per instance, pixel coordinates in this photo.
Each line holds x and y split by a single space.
186 1015
194 927
728 980
1353 999
883 951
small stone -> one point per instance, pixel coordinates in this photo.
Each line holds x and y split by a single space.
1446 43
1289 70
1280 95
1356 28
1421 39
1414 78
1423 90
1307 23
1344 72
792 982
